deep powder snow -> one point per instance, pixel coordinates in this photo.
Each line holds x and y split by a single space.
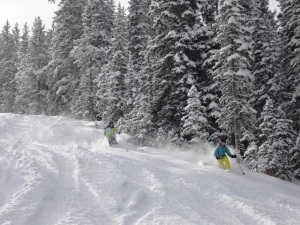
52 172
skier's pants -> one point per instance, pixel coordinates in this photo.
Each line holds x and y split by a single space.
224 163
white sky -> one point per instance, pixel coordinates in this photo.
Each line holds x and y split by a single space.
274 5
55 170
22 11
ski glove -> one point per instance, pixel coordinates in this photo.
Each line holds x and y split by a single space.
218 157
233 156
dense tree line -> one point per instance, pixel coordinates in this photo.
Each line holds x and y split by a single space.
176 71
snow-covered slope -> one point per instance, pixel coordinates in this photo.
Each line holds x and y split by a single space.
51 172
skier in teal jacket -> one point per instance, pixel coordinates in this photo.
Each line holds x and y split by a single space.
220 154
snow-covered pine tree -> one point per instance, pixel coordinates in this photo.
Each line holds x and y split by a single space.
49 36
110 9
194 123
31 81
289 30
24 42
210 94
39 58
266 152
251 156
285 56
90 54
111 92
27 89
16 36
21 105
285 136
139 27
209 89
295 159
63 73
265 65
232 70
209 10
273 153
139 122
139 34
137 105
8 55
172 56
132 89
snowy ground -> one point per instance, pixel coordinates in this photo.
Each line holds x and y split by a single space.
51 172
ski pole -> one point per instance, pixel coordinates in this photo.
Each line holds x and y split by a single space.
100 142
240 167
125 141
206 163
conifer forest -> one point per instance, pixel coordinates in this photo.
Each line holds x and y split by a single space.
183 72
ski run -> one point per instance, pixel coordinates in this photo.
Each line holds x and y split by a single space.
54 172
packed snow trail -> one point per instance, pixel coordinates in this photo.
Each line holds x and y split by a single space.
52 174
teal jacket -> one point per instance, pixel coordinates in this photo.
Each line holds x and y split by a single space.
221 151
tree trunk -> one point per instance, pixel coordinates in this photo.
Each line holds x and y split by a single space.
235 123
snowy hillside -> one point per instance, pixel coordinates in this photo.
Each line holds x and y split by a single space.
52 173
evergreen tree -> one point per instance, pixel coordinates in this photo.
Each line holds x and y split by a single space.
109 24
289 30
209 11
295 159
137 119
194 127
139 123
16 36
232 70
112 88
266 152
90 54
139 31
31 81
133 89
209 89
137 106
39 58
285 140
273 153
21 104
63 73
8 69
251 156
172 56
24 43
49 37
265 66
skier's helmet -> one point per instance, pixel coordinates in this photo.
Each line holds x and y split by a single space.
223 139
111 123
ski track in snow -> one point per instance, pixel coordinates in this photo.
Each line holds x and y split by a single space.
52 172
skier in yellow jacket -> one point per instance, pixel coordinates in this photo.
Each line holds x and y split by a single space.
110 132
